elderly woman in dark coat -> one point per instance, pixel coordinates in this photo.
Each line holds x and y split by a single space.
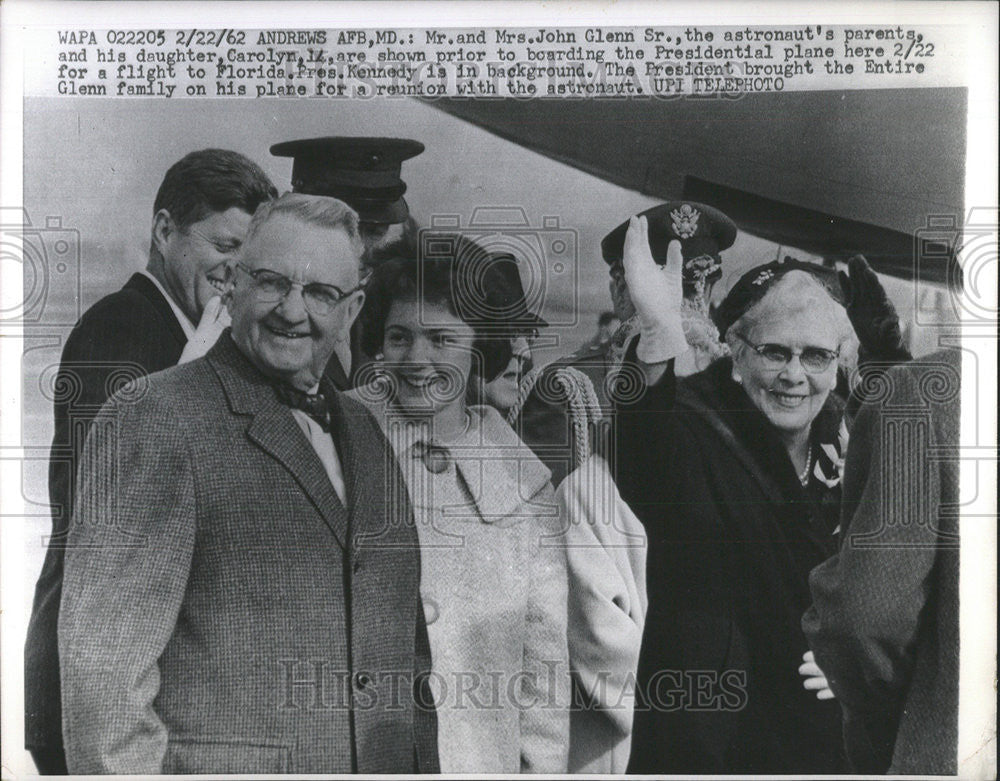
734 472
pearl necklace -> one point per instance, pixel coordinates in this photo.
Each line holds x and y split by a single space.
804 474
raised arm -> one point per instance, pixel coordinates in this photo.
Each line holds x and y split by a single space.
644 389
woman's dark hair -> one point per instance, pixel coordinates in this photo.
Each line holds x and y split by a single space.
212 180
443 281
605 318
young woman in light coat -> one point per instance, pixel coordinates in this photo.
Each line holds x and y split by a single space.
493 561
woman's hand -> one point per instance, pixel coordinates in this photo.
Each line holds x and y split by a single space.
657 293
815 679
871 313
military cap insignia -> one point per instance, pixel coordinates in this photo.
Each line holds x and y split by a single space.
762 277
685 221
702 266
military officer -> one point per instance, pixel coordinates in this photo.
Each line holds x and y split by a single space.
704 232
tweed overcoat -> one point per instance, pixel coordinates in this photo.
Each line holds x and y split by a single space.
222 611
127 334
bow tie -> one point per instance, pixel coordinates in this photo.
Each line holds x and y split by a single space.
315 405
435 458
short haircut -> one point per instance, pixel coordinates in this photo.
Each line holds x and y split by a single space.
796 291
440 281
318 210
605 318
209 181
401 246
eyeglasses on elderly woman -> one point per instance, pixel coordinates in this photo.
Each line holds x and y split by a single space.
814 360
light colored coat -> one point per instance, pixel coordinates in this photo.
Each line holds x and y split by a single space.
606 554
494 588
222 611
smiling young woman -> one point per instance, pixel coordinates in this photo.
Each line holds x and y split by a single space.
493 568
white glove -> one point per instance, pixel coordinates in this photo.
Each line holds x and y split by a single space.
815 678
214 320
657 293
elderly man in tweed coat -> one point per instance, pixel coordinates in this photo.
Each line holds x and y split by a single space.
241 589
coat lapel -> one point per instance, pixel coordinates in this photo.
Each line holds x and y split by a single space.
274 430
500 472
376 492
142 285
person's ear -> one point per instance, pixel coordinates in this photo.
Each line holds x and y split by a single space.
163 229
354 308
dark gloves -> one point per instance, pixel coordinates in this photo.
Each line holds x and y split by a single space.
872 314
877 325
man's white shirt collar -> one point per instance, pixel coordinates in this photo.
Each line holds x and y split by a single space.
186 325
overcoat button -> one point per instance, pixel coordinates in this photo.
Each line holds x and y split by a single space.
431 610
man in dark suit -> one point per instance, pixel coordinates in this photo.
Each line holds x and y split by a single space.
241 587
166 314
884 621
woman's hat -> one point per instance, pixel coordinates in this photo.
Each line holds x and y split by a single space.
505 292
754 284
702 231
488 281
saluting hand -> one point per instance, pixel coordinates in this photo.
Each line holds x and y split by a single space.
657 293
214 320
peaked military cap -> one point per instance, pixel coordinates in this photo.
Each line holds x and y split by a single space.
362 172
702 231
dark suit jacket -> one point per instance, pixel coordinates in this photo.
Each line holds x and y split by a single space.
125 335
884 620
222 611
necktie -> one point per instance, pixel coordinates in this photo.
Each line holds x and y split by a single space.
315 405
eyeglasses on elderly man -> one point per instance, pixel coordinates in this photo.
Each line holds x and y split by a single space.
320 299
